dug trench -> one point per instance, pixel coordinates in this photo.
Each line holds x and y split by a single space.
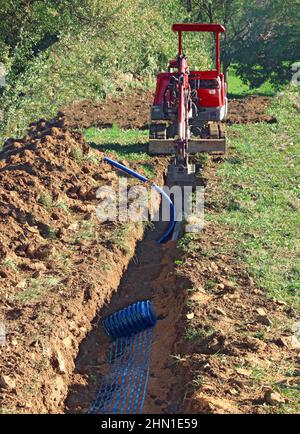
59 267
151 275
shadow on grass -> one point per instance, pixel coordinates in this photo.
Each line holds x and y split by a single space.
136 148
232 95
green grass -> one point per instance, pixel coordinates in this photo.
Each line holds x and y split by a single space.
198 334
36 288
149 170
292 394
46 200
237 89
123 144
86 232
261 186
9 263
120 237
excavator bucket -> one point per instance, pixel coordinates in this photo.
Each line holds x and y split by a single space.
167 147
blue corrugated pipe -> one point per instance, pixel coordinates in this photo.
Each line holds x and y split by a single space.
156 187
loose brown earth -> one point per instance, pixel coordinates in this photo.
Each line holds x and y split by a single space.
59 268
133 111
249 110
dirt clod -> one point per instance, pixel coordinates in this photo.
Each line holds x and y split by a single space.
58 264
273 398
7 382
249 110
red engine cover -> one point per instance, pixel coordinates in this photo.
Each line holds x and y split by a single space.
210 87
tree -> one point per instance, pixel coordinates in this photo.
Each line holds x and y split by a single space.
262 38
270 43
226 12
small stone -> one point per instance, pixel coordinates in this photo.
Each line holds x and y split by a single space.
22 284
190 315
295 343
68 343
214 266
255 344
233 297
244 372
38 266
261 311
30 250
220 311
280 302
7 382
58 362
283 342
273 398
233 392
263 319
73 226
229 285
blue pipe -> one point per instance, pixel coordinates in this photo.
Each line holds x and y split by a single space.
142 178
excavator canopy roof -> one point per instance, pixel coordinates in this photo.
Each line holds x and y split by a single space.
194 27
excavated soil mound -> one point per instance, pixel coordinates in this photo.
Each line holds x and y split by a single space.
125 111
58 265
133 111
47 181
240 350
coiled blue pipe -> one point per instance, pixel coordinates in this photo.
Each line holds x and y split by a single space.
123 388
142 178
130 320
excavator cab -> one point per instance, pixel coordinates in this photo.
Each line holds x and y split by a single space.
204 98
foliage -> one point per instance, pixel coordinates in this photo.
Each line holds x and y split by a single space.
61 51
262 37
270 43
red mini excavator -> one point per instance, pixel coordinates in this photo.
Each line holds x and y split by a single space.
188 108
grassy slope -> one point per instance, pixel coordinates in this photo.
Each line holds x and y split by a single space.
261 183
123 145
260 187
